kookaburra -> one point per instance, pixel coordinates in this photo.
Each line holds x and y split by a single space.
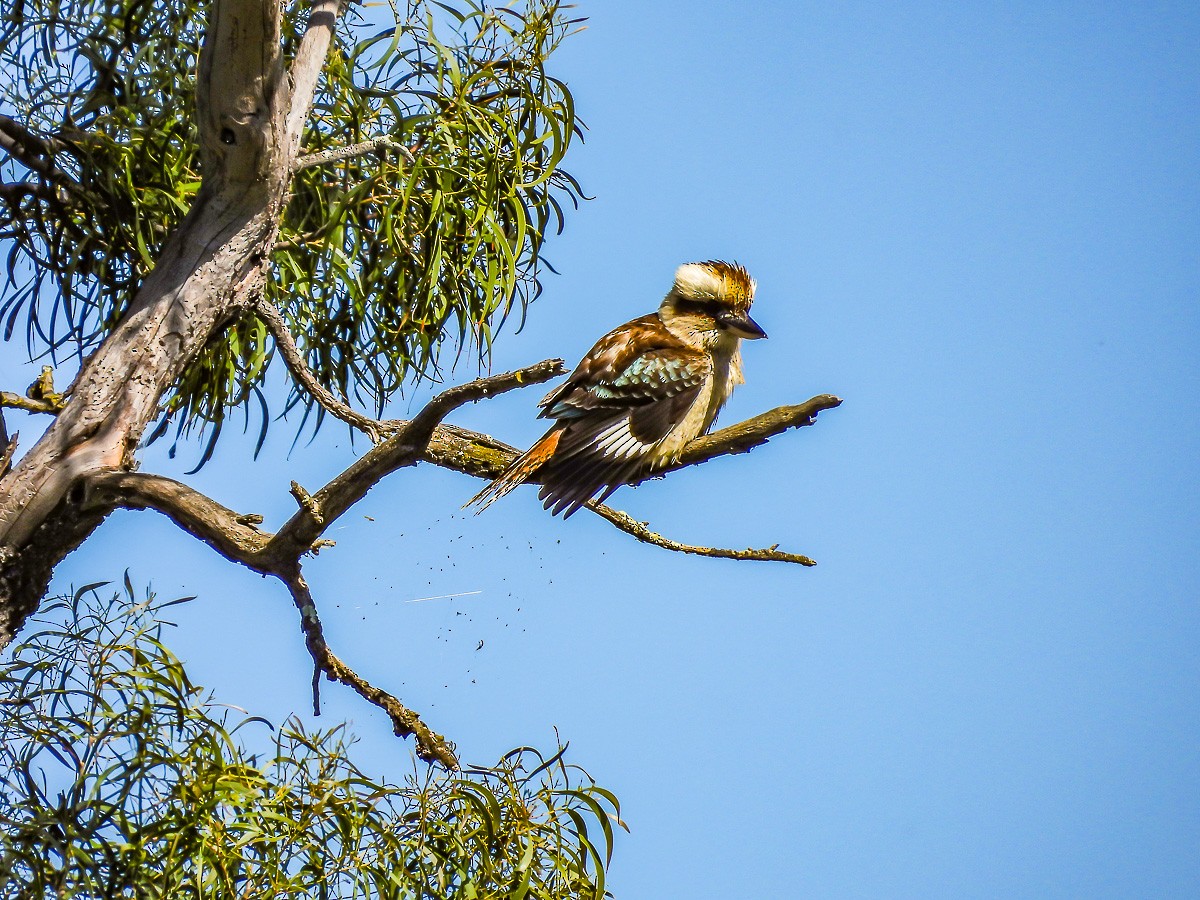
642 393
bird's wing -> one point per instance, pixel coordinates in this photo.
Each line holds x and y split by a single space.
626 395
634 365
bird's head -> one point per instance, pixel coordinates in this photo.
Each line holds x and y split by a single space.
710 302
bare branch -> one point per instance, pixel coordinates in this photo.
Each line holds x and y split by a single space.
235 538
745 436
420 429
423 438
483 456
310 59
278 328
337 154
431 746
641 531
405 448
221 528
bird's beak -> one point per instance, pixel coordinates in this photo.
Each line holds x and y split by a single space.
743 326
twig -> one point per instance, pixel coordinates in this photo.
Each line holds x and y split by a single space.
639 530
337 154
421 428
16 401
431 746
277 326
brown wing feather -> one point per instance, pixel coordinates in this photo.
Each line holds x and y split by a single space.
619 402
604 364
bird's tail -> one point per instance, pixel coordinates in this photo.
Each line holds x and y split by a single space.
518 471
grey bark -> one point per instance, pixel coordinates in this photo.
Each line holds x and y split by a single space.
211 269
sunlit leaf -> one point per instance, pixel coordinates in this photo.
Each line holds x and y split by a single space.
119 778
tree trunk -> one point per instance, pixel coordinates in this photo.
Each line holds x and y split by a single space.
211 268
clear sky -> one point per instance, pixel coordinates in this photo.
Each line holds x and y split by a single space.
980 225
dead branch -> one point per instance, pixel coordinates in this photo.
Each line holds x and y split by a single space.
447 446
431 746
424 438
745 436
642 532
405 448
286 343
483 456
234 537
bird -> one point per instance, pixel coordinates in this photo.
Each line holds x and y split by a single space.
641 394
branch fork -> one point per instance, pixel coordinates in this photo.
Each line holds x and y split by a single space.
252 112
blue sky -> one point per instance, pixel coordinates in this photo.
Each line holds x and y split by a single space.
977 224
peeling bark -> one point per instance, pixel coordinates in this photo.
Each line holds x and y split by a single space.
211 269
251 114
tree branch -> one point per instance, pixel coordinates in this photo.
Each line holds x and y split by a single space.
306 67
745 436
230 534
294 361
483 456
235 537
337 154
405 448
431 746
13 192
27 142
33 152
419 431
641 531
28 404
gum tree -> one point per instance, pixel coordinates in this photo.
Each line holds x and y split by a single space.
119 777
192 194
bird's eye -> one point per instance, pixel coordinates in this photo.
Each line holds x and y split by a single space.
711 308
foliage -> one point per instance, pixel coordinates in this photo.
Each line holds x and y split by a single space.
121 778
384 258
